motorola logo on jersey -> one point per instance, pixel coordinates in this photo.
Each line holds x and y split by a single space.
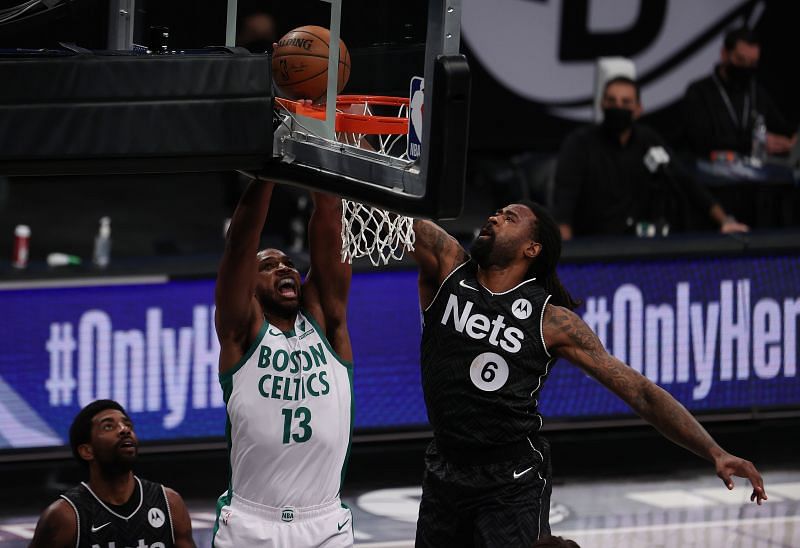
479 326
522 309
547 49
156 517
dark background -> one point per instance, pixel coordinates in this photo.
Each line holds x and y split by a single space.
370 24
511 138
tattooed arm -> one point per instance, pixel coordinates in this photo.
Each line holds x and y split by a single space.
568 337
437 254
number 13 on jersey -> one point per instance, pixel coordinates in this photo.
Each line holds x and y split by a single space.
303 417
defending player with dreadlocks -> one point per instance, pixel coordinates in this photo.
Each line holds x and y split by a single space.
494 324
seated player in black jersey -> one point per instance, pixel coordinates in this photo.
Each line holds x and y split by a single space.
115 508
494 323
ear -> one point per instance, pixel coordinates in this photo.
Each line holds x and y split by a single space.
86 452
533 249
723 54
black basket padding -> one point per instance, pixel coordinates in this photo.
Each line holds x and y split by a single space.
134 107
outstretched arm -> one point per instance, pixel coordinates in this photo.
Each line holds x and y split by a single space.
57 527
181 522
327 285
437 254
238 316
566 335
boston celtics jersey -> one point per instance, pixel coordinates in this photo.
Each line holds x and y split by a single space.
483 360
148 523
290 411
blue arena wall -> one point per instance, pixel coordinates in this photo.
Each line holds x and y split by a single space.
720 334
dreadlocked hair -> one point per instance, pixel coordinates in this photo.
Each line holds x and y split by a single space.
543 267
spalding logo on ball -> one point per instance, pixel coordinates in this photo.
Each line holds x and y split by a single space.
300 64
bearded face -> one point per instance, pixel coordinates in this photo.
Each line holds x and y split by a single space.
496 244
114 446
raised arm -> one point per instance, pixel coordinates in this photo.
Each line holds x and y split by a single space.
181 522
567 336
57 527
238 316
327 285
437 253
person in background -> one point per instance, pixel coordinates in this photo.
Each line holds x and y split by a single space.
115 507
721 109
257 30
617 174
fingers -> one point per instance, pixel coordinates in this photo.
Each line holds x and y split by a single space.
759 493
726 479
729 466
733 227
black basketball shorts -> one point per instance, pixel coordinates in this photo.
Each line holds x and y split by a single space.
499 504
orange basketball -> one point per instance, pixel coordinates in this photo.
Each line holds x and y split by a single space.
300 64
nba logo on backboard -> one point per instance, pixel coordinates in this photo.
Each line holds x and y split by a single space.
416 97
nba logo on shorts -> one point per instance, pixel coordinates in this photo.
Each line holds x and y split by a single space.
287 513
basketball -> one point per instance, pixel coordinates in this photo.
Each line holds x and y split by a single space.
300 64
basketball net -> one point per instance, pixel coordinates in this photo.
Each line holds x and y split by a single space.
370 231
367 230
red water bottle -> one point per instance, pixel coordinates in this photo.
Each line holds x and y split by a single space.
22 239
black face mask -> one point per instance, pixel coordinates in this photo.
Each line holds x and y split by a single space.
617 120
739 76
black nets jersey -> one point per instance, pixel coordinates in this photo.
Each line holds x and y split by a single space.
483 360
148 525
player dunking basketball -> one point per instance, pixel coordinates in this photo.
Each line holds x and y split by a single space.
115 508
494 323
285 369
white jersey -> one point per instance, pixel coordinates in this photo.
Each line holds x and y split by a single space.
290 415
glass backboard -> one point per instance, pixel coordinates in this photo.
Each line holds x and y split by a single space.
408 52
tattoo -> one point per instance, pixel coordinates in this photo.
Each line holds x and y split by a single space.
430 235
572 339
579 344
461 257
569 325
